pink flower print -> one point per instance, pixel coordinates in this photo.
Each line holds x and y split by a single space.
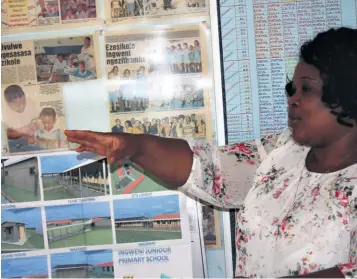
240 267
344 201
240 148
303 271
216 188
250 162
239 244
345 222
338 194
315 192
265 179
196 150
339 214
277 194
245 238
275 221
244 260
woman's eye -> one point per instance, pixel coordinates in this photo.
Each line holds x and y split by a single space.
306 89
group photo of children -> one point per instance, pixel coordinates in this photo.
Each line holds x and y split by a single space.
78 9
125 99
131 8
128 72
185 96
28 127
180 126
181 56
65 60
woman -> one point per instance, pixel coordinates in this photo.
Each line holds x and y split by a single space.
114 73
298 195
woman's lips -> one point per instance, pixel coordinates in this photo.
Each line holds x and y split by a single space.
293 120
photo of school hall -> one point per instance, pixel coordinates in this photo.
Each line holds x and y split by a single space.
27 267
78 225
21 230
129 180
83 264
147 219
19 180
70 176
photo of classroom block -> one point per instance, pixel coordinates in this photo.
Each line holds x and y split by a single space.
78 225
83 264
21 230
29 267
147 219
73 176
129 180
19 180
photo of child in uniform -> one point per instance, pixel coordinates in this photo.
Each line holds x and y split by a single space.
26 128
47 133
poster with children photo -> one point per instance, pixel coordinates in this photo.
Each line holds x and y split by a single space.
185 125
33 119
65 59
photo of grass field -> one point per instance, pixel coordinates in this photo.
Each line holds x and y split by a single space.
78 225
129 180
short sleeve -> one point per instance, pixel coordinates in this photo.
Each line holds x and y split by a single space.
349 269
222 176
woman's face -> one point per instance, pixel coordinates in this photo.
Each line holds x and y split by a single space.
310 119
116 70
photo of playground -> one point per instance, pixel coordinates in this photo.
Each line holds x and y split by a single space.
83 264
126 179
69 176
78 225
28 267
21 230
19 180
147 219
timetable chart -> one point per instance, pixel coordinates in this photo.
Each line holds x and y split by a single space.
260 46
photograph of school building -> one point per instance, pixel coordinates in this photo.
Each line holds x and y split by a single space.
69 176
78 225
19 180
129 180
83 264
28 267
147 219
21 230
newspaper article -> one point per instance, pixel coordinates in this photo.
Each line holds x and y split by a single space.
31 15
65 59
117 10
158 83
33 118
149 54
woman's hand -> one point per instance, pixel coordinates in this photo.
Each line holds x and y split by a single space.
116 147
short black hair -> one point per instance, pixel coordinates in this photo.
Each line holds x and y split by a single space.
13 92
334 54
51 112
87 38
60 54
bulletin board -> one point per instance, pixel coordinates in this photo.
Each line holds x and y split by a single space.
73 215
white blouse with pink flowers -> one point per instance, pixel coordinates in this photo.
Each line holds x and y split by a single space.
291 221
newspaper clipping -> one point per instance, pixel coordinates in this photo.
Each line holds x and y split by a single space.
26 15
65 59
33 118
158 84
117 10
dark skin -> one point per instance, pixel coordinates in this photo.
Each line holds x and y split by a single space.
333 146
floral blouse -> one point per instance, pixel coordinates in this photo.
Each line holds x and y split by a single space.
291 221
